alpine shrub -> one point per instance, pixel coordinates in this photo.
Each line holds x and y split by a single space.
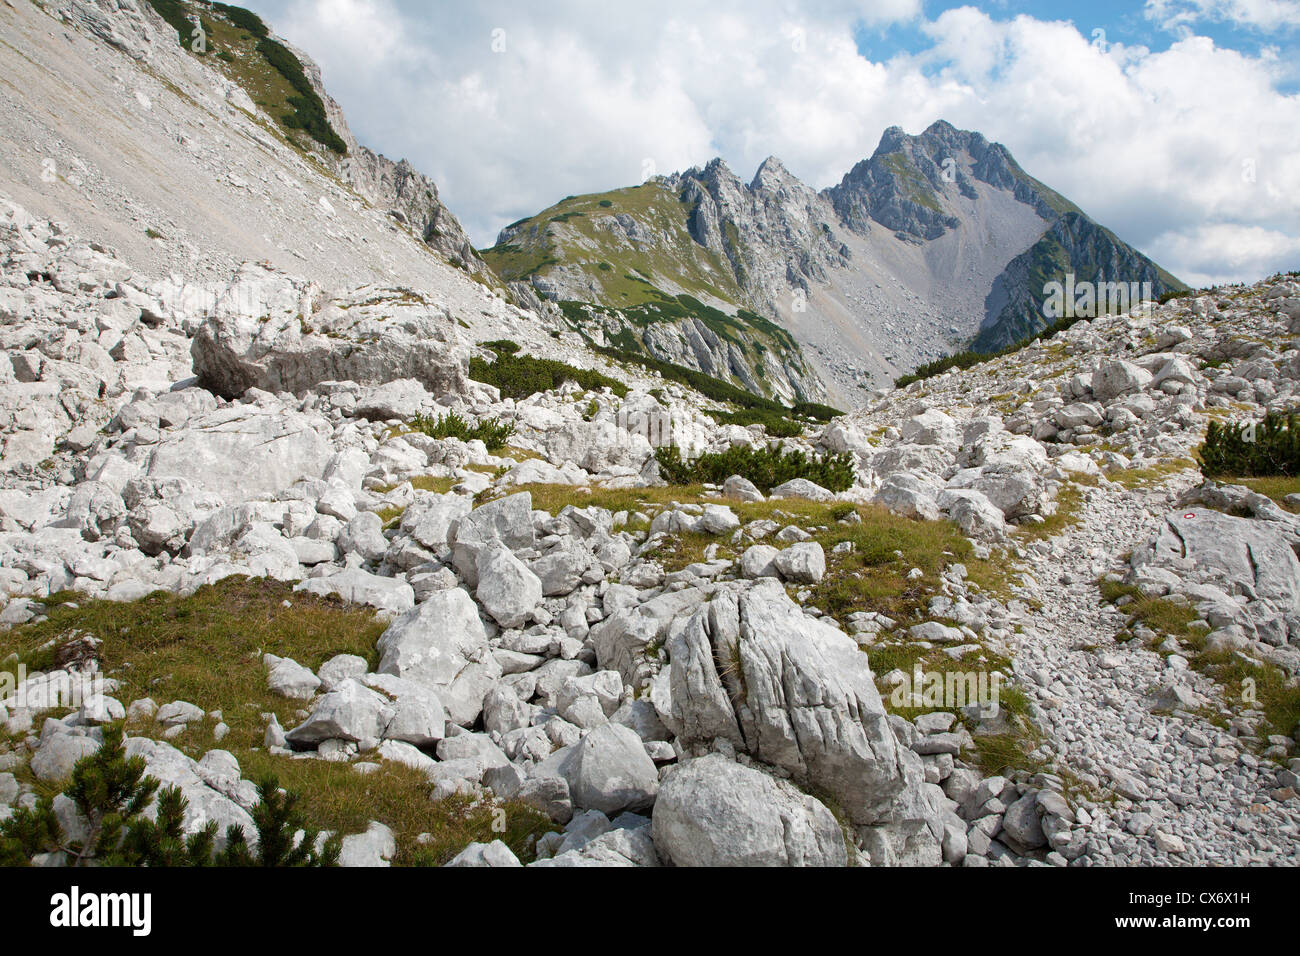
309 111
491 431
110 793
246 20
766 467
1250 449
518 376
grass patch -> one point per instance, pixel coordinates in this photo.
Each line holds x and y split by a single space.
207 649
1275 487
242 19
336 797
1159 614
1008 753
886 547
1270 689
1068 513
435 483
1138 477
683 549
762 410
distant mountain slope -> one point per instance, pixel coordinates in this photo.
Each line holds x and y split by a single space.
935 241
1074 246
654 269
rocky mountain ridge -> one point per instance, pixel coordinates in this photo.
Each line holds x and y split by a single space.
934 240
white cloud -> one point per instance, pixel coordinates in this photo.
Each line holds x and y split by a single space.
1181 15
1153 144
1223 253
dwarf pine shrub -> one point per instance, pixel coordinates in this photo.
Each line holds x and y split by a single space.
491 431
111 792
246 20
1252 449
518 376
766 467
308 111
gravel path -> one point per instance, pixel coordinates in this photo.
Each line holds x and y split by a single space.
1186 791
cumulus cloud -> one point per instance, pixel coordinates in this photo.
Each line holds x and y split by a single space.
1182 15
512 106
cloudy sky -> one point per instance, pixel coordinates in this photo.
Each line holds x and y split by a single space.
1175 122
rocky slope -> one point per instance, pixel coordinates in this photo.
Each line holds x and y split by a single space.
631 670
115 128
629 673
650 270
935 240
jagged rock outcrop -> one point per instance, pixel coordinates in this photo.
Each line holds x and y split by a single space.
749 668
267 331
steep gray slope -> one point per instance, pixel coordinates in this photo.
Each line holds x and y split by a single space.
109 125
1074 246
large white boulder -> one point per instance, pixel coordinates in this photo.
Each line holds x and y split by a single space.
442 645
270 331
713 812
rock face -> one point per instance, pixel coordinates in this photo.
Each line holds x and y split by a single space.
266 331
714 812
1253 560
410 197
750 668
442 645
242 452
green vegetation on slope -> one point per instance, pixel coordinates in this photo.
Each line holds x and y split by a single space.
242 19
206 648
623 249
766 467
581 232
308 111
1074 245
1267 448
518 376
267 70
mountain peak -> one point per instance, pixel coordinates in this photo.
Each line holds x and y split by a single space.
772 173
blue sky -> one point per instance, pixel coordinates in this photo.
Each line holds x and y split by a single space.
1127 23
1175 123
